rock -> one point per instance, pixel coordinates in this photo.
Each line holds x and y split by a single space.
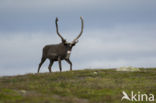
129 68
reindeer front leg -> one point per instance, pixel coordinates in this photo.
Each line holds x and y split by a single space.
60 66
69 62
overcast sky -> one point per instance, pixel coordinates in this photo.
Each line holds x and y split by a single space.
116 33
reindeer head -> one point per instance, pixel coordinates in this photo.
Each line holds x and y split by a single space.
69 45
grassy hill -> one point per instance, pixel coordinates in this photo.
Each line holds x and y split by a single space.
82 86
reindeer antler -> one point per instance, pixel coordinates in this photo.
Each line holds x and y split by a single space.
80 32
58 31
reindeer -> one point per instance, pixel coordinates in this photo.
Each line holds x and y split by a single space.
61 51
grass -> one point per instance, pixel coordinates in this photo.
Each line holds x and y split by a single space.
81 86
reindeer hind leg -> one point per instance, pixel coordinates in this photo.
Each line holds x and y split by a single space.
42 61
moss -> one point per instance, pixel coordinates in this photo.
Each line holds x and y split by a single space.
85 86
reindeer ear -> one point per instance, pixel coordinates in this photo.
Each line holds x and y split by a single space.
64 41
75 43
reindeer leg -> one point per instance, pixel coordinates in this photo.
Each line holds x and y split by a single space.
69 62
60 66
42 61
50 65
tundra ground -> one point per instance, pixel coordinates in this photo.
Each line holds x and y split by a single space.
80 86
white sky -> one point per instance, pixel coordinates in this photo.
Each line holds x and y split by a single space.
117 33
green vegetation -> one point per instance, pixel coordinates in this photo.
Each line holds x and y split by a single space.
82 86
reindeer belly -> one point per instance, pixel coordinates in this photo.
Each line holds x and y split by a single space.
52 55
